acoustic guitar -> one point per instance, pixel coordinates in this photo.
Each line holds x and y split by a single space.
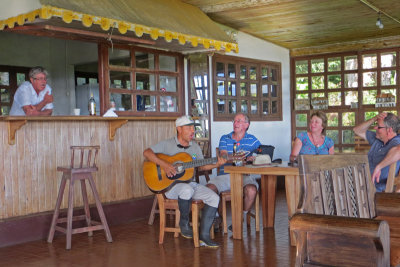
158 181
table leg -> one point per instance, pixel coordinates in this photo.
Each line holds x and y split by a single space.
237 204
268 197
292 186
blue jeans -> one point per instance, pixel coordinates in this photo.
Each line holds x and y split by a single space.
381 186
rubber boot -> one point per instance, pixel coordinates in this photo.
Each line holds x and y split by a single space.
184 208
207 219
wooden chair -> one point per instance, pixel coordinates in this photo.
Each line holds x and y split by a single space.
361 145
205 147
393 181
226 196
342 221
86 156
166 204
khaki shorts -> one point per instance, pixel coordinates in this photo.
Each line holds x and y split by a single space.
223 182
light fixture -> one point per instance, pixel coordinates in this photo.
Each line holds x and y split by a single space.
379 23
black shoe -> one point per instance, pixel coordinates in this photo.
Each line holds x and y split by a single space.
207 219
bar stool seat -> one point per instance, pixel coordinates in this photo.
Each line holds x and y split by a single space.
165 205
86 156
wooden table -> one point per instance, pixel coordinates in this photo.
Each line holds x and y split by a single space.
268 191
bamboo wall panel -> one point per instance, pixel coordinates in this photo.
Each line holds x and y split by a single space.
29 180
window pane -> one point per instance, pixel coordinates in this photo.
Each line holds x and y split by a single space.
232 88
80 81
334 135
221 106
390 91
168 84
4 78
315 95
167 63
369 79
388 77
221 88
253 73
119 57
351 80
220 69
265 107
334 98
301 83
149 102
144 60
232 71
145 81
119 79
274 75
301 96
5 110
92 80
244 106
334 64
20 78
350 96
370 114
301 120
264 73
334 81
243 89
317 82
264 89
254 107
333 119
232 106
253 90
168 104
122 101
348 118
350 63
243 72
369 61
317 65
4 95
274 107
369 97
388 59
302 67
347 137
274 90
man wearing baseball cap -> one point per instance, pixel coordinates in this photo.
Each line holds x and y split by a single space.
184 192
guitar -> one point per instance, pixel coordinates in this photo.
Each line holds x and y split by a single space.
158 181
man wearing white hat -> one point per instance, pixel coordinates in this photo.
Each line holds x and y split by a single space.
184 192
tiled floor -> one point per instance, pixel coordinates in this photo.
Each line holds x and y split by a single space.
136 244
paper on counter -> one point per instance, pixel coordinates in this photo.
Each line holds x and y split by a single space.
110 113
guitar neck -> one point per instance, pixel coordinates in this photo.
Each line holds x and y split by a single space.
199 162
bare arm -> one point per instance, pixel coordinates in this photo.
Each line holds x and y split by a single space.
297 144
362 128
391 157
166 166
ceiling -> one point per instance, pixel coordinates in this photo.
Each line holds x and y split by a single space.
310 26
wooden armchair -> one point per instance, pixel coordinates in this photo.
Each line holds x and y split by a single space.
342 221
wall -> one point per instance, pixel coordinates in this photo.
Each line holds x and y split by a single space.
56 55
276 133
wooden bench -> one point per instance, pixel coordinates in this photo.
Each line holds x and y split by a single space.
341 220
361 145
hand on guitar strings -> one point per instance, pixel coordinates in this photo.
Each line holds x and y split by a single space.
169 169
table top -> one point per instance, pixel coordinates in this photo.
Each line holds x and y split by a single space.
267 169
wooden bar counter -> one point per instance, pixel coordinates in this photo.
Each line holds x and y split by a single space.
33 147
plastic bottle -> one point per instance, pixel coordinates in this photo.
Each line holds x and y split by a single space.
92 105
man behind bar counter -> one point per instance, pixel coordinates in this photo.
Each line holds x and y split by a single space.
33 98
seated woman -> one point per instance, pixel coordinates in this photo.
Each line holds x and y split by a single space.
313 141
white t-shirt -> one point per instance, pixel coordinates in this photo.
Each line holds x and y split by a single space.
26 95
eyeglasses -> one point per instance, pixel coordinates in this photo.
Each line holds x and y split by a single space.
40 79
379 127
239 121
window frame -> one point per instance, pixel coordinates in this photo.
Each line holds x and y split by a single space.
259 98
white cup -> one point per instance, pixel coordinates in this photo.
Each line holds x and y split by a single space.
77 111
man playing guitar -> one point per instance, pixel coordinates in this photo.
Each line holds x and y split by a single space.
184 192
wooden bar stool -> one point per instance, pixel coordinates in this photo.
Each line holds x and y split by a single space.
86 156
165 205
226 196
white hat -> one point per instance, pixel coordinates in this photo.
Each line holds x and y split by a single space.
184 120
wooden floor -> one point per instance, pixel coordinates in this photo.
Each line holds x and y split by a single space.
136 244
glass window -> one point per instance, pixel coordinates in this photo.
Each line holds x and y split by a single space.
350 63
317 65
145 81
388 59
119 57
232 71
144 60
168 63
168 84
302 67
334 64
369 61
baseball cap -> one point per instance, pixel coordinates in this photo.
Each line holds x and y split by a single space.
184 120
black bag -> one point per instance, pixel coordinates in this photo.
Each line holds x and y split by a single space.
265 150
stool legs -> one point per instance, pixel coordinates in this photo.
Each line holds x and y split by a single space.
57 209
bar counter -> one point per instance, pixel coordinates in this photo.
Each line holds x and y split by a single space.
33 147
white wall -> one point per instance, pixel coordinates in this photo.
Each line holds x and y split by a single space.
276 133
12 8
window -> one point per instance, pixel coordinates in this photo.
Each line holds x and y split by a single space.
144 81
350 82
248 86
10 78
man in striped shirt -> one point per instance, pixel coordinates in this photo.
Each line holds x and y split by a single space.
245 143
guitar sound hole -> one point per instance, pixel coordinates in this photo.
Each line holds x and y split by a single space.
179 168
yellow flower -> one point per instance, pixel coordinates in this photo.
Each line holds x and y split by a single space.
31 16
105 24
45 13
154 34
2 25
206 43
87 20
237 48
139 31
168 36
123 27
67 16
10 22
217 45
181 39
21 19
194 42
228 47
